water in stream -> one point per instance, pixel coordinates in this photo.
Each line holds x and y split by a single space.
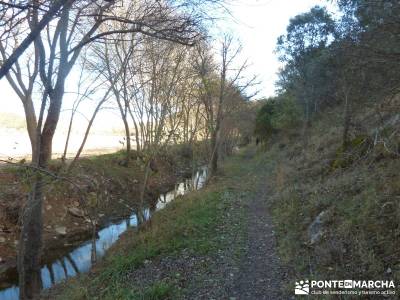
79 259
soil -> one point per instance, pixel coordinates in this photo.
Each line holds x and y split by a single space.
260 273
64 230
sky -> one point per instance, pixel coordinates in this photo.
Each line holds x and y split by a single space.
256 23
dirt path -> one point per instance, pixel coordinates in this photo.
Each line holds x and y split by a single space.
247 266
241 261
254 274
260 273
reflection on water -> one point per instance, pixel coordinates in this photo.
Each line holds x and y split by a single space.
79 260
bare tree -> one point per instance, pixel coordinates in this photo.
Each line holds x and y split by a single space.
13 14
56 38
116 57
219 81
86 88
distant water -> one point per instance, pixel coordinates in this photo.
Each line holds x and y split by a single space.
16 144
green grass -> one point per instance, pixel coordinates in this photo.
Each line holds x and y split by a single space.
183 224
191 223
157 291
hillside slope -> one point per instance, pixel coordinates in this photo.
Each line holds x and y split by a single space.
337 211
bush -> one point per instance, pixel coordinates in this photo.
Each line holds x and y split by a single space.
277 114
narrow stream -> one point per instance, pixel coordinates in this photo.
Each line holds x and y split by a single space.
79 259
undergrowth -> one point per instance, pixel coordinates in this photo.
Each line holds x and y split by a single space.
358 190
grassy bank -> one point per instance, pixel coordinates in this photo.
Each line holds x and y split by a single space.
101 186
193 244
187 224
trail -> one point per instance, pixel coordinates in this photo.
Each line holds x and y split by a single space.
260 272
247 266
241 262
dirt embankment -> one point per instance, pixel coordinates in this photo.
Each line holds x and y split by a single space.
102 187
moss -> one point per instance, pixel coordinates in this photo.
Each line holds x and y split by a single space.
345 156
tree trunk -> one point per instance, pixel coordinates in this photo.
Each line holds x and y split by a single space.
126 126
214 151
215 136
64 156
136 129
30 244
140 213
31 125
307 121
137 136
346 123
128 142
45 148
93 256
89 126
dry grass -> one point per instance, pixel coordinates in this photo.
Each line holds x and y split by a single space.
361 194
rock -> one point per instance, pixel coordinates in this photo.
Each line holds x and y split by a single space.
2 239
75 203
76 212
48 207
316 229
61 230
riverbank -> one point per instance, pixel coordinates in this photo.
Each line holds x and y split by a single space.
217 243
103 179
